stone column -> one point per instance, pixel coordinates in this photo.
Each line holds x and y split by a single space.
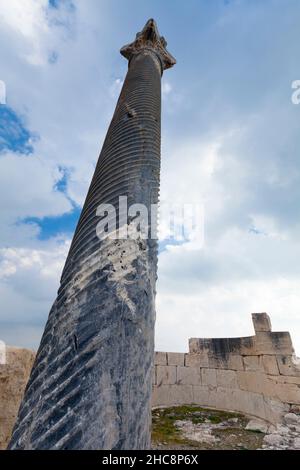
90 386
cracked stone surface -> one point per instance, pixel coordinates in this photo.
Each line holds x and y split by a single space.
285 436
199 432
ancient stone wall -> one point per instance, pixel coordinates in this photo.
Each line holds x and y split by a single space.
15 368
257 375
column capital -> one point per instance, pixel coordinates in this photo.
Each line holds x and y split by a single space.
149 39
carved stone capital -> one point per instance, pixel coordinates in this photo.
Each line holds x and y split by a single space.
149 39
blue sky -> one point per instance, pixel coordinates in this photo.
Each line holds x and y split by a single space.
230 139
13 133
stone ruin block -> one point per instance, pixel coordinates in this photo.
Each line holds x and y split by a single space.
175 359
223 347
154 376
252 381
235 362
200 360
261 322
270 365
165 375
288 393
209 377
188 375
172 395
288 365
227 379
160 358
273 343
253 363
201 394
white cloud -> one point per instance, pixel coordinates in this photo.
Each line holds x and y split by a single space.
166 88
115 88
211 291
28 184
28 20
2 92
30 25
29 279
267 226
224 311
192 161
45 262
229 143
26 17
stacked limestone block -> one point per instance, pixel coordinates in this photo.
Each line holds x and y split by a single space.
14 374
257 375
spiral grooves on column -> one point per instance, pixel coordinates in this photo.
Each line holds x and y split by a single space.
130 156
91 382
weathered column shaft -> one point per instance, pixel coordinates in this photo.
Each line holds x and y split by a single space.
90 386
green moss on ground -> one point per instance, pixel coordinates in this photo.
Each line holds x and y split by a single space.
233 436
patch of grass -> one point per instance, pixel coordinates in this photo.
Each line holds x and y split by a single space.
163 422
217 416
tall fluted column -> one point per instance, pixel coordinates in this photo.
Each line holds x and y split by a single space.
90 387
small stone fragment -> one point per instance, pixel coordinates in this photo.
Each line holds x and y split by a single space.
257 425
273 439
297 443
291 419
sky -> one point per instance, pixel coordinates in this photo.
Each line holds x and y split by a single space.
230 140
